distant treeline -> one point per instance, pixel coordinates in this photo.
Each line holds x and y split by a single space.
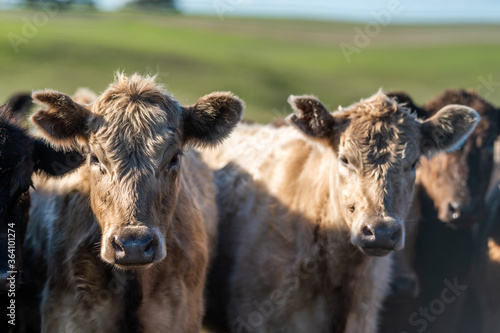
166 4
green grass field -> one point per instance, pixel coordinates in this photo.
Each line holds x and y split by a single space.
261 60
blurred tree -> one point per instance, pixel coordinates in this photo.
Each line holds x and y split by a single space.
167 4
63 4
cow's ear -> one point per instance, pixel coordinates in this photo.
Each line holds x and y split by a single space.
6 111
64 122
448 128
53 162
311 116
20 103
211 119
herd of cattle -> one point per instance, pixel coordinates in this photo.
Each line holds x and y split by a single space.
127 212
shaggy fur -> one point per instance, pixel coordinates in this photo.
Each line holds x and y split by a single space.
450 200
140 179
292 203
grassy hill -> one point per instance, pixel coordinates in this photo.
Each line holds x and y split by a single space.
261 60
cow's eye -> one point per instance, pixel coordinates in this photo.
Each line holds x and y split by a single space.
413 167
94 160
344 160
174 162
27 187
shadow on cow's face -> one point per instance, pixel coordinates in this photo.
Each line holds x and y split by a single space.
457 182
375 147
135 133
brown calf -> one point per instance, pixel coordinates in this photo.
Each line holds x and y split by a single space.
126 239
448 203
309 213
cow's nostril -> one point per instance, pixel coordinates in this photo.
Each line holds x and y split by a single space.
148 251
395 235
367 231
454 210
133 250
117 246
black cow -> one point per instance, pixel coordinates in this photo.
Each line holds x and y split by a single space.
21 155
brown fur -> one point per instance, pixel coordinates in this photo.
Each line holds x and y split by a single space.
443 245
135 183
292 200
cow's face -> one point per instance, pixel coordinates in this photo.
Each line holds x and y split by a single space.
135 133
20 156
375 147
457 181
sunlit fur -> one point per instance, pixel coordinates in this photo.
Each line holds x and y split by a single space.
285 223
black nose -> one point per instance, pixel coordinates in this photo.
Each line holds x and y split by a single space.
464 215
379 237
454 210
133 251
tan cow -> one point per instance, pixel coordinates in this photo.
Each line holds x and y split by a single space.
126 239
309 214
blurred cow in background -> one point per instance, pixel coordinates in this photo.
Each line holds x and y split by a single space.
491 231
438 270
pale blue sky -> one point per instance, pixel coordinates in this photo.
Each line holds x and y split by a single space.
411 11
357 10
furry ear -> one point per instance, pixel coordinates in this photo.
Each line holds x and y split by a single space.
211 119
64 122
21 103
310 116
6 111
448 128
53 162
